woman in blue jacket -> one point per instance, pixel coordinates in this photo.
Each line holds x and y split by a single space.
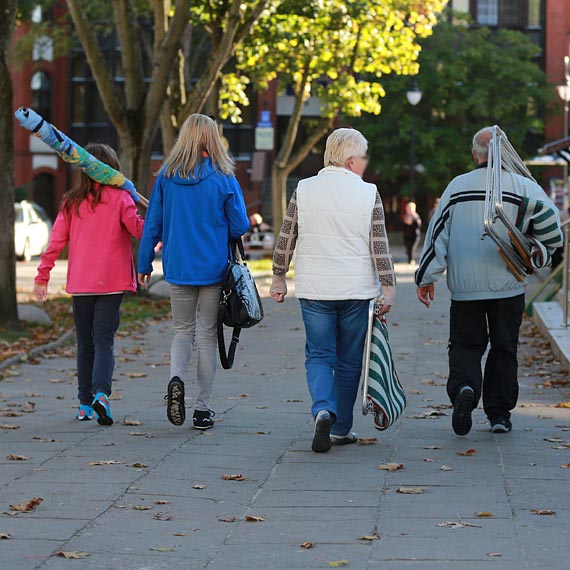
196 205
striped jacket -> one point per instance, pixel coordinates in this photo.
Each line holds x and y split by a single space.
475 271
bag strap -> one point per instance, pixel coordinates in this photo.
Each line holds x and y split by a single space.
237 244
226 359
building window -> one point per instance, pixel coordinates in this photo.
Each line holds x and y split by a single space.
41 94
487 12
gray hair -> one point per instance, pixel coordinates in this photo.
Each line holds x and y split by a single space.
342 145
481 141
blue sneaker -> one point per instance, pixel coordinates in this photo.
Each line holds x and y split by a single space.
85 413
102 407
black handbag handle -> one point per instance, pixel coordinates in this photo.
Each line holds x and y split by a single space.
236 244
227 359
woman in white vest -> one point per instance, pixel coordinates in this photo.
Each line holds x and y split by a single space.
335 226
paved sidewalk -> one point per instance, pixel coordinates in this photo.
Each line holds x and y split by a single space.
163 503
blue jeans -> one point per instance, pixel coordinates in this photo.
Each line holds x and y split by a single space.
335 331
96 322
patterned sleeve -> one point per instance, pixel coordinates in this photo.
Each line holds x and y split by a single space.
381 255
287 239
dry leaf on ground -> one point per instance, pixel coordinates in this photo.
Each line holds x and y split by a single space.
142 507
227 519
5 536
9 426
554 439
141 434
27 507
494 554
44 439
455 524
235 477
467 453
338 563
543 512
410 490
139 465
390 466
254 518
136 374
565 466
369 537
71 554
198 486
14 457
307 544
446 468
562 405
162 516
131 422
484 514
106 462
431 447
162 549
367 440
162 502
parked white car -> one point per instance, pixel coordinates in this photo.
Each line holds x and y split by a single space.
31 230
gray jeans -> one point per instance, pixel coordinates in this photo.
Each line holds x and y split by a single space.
194 315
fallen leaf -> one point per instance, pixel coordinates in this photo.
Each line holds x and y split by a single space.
44 439
562 405
446 468
227 519
29 506
162 549
455 524
484 514
565 466
14 457
554 439
179 534
494 554
162 516
369 537
12 414
9 426
543 512
56 380
429 415
291 400
71 554
162 502
254 518
236 477
131 422
307 545
139 465
467 453
5 536
367 440
431 447
410 490
428 459
390 466
338 563
136 374
141 434
106 462
198 486
142 507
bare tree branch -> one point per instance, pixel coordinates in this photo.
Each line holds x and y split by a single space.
308 145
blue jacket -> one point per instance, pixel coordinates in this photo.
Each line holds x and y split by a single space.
194 217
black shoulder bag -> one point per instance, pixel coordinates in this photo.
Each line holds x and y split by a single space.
240 306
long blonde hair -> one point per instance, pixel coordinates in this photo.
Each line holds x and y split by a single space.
199 137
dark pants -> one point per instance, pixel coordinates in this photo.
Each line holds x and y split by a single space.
472 325
96 322
411 242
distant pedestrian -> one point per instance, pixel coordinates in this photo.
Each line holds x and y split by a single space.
335 221
487 300
195 207
412 225
97 222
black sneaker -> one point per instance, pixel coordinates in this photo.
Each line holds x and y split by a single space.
322 435
175 410
501 425
461 419
203 419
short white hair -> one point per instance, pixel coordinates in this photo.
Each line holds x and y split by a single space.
342 145
481 141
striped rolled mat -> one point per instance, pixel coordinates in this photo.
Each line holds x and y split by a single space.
382 392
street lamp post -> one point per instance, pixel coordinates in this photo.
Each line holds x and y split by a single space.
414 96
564 93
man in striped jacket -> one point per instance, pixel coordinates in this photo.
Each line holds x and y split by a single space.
487 300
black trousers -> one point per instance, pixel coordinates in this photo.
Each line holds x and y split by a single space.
473 324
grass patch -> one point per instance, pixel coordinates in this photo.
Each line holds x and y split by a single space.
21 338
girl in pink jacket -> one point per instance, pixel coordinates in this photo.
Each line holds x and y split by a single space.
97 221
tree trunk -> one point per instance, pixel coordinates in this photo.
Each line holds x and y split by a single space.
278 195
8 304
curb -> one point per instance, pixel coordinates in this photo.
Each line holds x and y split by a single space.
17 358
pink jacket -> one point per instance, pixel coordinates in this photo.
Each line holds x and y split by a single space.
100 250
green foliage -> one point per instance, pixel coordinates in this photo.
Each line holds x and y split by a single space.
469 78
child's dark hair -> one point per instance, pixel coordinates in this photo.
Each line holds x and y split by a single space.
83 186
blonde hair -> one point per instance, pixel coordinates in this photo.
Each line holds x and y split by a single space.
343 144
199 136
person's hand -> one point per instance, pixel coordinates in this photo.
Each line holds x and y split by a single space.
384 309
40 291
278 289
426 294
143 279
